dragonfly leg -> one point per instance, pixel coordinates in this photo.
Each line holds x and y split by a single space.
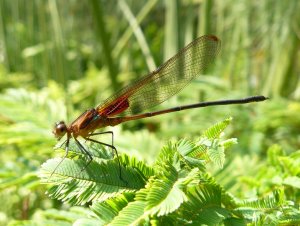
84 151
62 144
106 132
112 140
112 147
65 156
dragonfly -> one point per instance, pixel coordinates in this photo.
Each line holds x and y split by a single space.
130 102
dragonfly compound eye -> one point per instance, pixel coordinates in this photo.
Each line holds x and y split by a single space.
60 129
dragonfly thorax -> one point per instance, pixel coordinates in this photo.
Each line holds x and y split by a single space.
60 129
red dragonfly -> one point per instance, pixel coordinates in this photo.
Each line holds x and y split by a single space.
150 90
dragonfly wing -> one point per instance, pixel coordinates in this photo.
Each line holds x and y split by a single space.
165 81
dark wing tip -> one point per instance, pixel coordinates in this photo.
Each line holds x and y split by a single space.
213 37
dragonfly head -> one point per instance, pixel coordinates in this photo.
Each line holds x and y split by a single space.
60 129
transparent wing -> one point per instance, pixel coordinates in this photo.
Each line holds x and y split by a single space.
165 81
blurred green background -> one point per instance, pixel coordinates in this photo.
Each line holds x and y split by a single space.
59 58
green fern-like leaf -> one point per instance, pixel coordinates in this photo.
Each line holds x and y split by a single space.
291 163
272 201
253 210
165 194
291 217
186 149
204 205
228 143
217 154
216 130
109 209
140 167
210 147
75 183
132 214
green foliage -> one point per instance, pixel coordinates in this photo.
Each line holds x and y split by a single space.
98 181
58 217
176 188
24 143
281 170
258 55
42 41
